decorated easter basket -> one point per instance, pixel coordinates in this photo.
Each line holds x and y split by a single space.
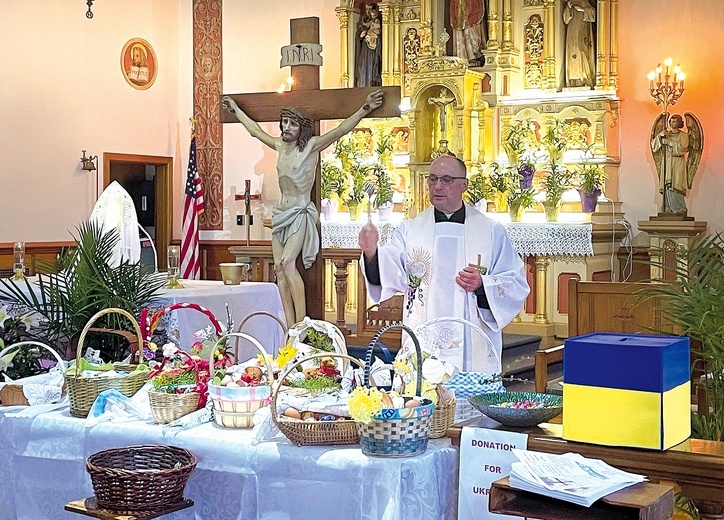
251 316
14 393
167 407
82 391
235 407
396 432
140 478
315 433
298 332
464 384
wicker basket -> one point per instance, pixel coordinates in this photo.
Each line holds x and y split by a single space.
12 393
235 407
442 418
315 433
140 478
300 329
248 318
82 391
167 407
464 384
393 432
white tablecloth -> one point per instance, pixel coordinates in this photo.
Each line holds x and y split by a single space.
43 468
243 299
552 239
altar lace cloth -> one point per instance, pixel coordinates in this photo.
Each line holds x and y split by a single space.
559 240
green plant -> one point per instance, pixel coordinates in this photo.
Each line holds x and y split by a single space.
383 186
479 188
359 178
521 197
502 179
518 137
333 180
84 285
553 140
555 183
384 147
590 176
319 341
692 305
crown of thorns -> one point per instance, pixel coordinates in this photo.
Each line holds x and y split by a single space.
295 116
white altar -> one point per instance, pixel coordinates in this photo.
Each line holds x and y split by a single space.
43 468
243 299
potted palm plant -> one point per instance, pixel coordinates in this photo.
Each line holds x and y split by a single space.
519 199
501 180
692 304
85 283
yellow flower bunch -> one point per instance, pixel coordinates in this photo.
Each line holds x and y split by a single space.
401 366
428 391
364 403
286 354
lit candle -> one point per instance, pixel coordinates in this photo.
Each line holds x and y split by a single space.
658 72
281 88
651 75
290 81
668 61
682 77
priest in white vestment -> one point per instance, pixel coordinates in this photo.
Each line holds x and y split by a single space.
450 261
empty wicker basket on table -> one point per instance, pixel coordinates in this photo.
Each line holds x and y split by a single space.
140 478
235 407
389 435
12 393
249 318
315 433
167 407
82 391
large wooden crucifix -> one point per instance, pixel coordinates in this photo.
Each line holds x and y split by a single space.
321 104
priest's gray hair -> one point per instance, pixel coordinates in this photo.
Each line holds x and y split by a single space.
306 124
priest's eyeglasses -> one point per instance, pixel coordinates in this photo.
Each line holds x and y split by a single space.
446 180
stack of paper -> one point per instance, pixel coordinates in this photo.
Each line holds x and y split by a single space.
569 477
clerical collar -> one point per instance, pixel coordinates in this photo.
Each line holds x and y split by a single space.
456 218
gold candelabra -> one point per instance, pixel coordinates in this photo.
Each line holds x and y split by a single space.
666 84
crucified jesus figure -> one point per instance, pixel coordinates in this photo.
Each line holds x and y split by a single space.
295 217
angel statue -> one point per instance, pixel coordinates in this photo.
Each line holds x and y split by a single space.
677 154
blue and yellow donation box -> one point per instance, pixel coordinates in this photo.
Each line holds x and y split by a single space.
627 390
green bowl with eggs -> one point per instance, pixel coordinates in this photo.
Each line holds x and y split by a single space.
518 409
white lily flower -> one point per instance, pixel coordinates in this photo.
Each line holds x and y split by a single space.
4 315
31 319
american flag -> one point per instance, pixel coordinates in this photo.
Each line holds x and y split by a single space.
193 207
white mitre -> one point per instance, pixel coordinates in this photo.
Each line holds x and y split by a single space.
114 209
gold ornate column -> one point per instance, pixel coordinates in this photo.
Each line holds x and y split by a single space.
340 285
493 26
507 26
343 17
613 56
425 27
602 32
396 50
480 107
541 275
550 81
386 12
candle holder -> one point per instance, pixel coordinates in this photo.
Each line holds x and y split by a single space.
666 84
18 261
173 260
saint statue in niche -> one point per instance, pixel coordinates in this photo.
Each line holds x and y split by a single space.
580 17
467 18
368 52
